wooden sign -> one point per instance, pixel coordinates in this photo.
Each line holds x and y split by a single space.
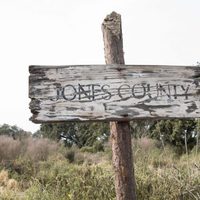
113 92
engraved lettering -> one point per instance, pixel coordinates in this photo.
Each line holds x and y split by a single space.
58 94
70 91
136 90
157 90
93 90
175 92
163 90
108 95
125 87
81 90
148 91
185 90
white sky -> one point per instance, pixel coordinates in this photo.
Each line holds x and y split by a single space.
64 32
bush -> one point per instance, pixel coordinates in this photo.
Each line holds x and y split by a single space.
43 170
97 147
70 155
161 174
60 180
87 149
31 148
22 157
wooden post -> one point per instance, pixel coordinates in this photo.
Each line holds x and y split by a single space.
120 131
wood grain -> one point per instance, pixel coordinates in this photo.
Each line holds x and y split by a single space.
113 92
120 135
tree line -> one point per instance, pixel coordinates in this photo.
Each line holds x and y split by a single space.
176 132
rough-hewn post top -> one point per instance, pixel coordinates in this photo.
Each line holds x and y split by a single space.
112 22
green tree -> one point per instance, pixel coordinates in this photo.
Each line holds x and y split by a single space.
141 128
13 131
78 133
174 132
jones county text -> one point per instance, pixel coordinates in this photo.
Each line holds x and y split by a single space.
94 92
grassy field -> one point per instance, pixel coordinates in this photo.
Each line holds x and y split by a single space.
40 169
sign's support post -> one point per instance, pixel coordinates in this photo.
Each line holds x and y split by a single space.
120 131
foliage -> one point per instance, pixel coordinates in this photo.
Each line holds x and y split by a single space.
13 131
22 156
162 174
141 128
60 180
88 135
175 132
74 133
55 172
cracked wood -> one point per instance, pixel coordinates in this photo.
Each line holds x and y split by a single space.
113 92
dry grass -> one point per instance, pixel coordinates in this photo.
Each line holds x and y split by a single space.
6 183
31 148
48 174
9 148
3 177
40 149
144 143
12 184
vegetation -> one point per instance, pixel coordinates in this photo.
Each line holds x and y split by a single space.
174 132
13 131
74 133
39 168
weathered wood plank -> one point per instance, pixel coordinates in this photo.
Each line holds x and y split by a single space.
113 92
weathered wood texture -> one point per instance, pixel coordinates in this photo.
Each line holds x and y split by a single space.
120 136
113 92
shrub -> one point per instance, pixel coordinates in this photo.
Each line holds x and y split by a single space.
160 173
87 149
59 180
70 155
98 146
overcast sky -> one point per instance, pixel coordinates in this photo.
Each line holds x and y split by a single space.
65 32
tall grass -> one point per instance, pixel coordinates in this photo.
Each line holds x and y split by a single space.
31 148
162 174
9 148
43 169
